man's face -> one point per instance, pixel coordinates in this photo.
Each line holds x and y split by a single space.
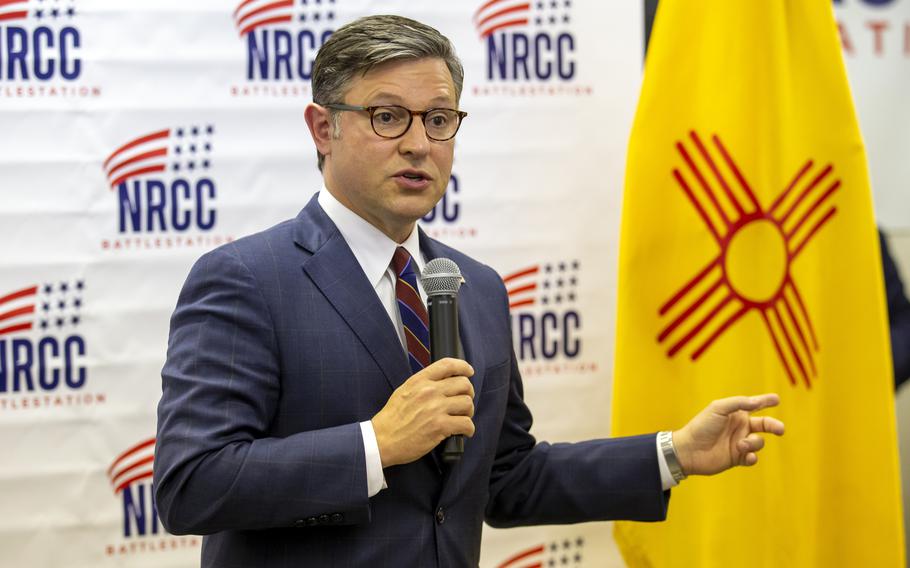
392 182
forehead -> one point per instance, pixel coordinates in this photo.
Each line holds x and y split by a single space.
414 81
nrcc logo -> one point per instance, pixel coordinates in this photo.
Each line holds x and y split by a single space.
555 553
165 193
546 323
530 49
41 50
42 352
445 219
130 476
281 39
873 29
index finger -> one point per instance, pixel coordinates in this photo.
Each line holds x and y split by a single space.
730 405
449 367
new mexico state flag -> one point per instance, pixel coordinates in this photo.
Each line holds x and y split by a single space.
749 263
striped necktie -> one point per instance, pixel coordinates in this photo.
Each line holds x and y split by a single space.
413 312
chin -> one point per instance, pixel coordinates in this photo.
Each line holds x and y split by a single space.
418 205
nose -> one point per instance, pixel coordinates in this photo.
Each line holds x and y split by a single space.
414 140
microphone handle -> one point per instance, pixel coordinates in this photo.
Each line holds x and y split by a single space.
443 312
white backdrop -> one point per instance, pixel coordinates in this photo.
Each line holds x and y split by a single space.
210 145
876 38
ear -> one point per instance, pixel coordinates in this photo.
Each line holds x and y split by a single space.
319 121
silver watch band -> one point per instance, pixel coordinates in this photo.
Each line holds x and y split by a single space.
665 441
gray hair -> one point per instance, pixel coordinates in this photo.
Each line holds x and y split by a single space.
359 46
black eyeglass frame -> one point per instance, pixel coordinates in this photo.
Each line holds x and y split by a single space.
411 114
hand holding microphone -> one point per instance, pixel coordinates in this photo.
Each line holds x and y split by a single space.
435 405
441 280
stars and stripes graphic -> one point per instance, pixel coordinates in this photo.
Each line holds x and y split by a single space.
45 12
252 14
13 10
135 464
179 149
558 553
497 15
547 284
17 310
704 308
43 307
414 317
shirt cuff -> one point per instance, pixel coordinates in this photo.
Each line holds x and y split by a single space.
666 478
375 477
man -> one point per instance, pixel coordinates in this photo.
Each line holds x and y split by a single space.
300 411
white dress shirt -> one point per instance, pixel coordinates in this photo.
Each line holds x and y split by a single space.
373 251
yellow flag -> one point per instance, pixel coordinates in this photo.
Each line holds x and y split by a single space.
749 263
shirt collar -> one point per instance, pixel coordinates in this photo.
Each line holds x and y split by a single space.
371 247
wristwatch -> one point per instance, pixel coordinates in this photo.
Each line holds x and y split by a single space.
665 441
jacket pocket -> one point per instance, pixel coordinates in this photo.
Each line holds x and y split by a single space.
496 376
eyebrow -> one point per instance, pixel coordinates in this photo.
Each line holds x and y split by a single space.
388 98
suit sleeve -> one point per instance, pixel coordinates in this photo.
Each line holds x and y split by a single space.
535 483
216 467
898 315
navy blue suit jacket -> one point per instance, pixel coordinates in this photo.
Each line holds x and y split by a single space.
279 347
898 315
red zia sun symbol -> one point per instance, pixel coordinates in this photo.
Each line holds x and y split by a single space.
737 280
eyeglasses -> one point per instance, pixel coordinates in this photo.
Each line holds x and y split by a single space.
392 121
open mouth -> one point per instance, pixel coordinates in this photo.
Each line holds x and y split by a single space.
413 179
413 175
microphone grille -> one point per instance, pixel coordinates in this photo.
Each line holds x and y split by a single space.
441 276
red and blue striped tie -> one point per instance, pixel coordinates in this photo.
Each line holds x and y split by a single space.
413 313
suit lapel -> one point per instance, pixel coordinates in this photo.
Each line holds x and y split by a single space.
334 269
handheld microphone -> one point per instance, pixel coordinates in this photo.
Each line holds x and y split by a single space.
441 279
